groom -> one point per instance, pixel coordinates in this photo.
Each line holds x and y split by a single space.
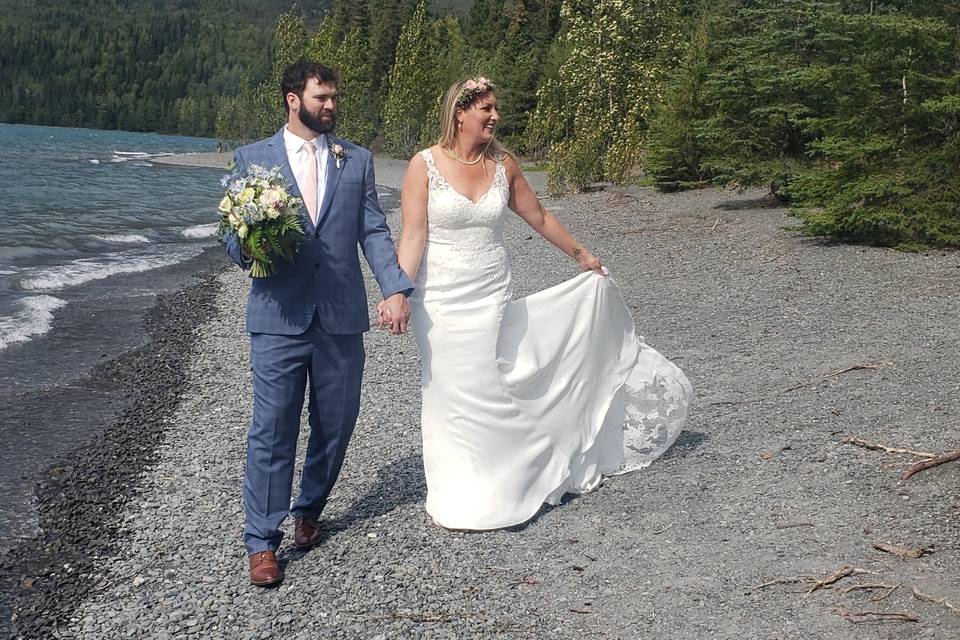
306 322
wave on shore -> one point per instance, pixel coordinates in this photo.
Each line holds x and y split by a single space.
124 238
87 269
200 231
35 318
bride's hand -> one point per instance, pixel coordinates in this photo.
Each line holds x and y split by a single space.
384 320
590 262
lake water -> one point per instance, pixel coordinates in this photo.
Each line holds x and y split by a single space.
91 231
81 205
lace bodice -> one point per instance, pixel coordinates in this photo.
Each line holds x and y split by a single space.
464 256
457 222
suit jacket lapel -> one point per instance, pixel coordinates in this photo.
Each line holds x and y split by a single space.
333 179
280 159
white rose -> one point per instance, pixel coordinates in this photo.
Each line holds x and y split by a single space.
271 197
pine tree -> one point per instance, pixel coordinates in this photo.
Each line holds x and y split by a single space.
850 113
673 150
486 24
325 41
456 61
358 117
290 40
593 111
413 80
517 64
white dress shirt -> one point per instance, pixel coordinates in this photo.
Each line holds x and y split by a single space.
297 156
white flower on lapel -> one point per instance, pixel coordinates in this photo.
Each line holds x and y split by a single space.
339 153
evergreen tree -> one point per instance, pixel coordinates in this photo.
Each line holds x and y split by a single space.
593 111
517 65
161 65
325 42
414 80
486 24
673 152
849 113
456 61
349 15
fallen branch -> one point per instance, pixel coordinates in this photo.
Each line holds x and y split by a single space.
656 533
904 553
422 617
943 602
874 585
792 580
528 580
859 617
841 573
856 367
935 461
879 447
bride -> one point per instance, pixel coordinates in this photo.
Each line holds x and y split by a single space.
523 400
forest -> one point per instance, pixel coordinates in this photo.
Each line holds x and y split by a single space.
848 111
138 65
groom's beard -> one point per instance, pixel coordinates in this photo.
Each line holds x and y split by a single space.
317 123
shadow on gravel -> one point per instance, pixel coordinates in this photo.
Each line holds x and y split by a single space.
688 442
766 202
81 496
398 483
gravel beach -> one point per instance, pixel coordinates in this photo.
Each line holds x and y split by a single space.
792 344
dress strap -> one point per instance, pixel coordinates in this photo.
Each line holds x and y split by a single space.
500 177
433 174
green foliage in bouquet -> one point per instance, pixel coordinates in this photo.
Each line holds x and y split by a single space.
279 239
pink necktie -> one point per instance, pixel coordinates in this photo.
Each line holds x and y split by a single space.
309 187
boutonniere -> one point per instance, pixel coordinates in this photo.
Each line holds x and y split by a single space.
339 153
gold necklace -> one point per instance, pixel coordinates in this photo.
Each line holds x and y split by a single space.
453 155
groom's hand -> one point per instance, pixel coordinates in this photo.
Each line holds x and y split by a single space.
395 313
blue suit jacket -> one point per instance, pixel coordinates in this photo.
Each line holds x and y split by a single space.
325 277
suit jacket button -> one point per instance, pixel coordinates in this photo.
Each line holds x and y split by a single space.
316 265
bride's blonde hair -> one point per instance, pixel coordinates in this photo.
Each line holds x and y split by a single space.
461 95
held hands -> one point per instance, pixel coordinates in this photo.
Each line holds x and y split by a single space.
394 313
589 262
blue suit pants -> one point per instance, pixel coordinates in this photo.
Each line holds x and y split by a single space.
330 368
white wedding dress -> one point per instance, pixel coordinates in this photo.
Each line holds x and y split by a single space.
525 400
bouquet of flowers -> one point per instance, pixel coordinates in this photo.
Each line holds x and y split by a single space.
260 210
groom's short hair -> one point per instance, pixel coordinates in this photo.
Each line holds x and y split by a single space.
296 75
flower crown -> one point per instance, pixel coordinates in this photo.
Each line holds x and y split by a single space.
472 89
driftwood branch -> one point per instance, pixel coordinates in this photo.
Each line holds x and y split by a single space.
904 553
935 461
856 367
873 446
874 585
838 575
859 617
792 580
943 602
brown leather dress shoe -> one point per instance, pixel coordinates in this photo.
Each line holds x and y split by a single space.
306 533
264 570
